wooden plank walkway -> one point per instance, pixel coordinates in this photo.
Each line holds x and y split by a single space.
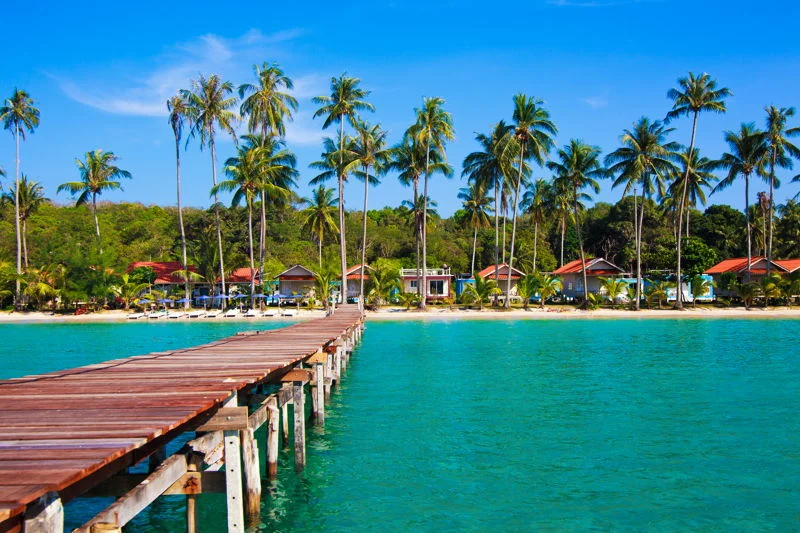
67 431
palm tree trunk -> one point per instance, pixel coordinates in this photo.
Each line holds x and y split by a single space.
342 242
364 236
262 236
505 219
474 246
417 234
563 231
422 303
580 247
688 211
180 221
507 303
638 246
216 212
18 293
25 241
252 259
681 207
747 221
320 252
96 223
496 236
535 242
771 192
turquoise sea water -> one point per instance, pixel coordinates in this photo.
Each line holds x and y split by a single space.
658 425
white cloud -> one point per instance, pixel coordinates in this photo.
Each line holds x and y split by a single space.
144 88
595 102
303 130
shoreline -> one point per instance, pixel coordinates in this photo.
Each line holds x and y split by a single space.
433 313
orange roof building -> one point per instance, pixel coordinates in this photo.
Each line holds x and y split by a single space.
502 272
571 275
758 266
164 271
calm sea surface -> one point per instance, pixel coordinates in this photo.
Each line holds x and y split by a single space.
659 425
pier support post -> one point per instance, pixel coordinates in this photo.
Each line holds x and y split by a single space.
298 378
233 475
193 464
45 516
285 419
252 476
272 437
318 362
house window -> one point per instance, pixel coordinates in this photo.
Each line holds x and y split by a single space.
579 285
413 284
436 287
569 286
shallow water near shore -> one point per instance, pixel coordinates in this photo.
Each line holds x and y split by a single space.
522 425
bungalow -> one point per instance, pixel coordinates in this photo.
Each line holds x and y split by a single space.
242 276
438 280
354 279
737 268
571 275
296 279
502 277
164 272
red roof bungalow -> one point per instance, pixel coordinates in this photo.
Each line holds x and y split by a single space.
164 271
571 275
243 275
758 268
354 279
502 276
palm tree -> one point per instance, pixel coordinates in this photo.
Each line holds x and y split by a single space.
749 150
700 286
696 94
128 291
408 299
323 282
318 216
560 203
613 288
208 106
383 280
492 166
409 160
98 174
476 205
268 106
433 128
644 160
18 114
480 291
177 114
534 203
770 286
533 134
244 171
345 101
526 290
658 290
369 152
696 174
546 286
30 197
578 168
748 292
780 150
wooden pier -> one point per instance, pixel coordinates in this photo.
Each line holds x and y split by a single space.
76 432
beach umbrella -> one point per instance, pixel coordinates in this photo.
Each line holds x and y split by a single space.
182 301
164 301
240 296
259 295
144 302
203 297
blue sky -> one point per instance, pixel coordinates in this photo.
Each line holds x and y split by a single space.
101 72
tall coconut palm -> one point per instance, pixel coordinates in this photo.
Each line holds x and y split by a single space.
244 171
177 115
433 128
408 160
578 167
749 153
208 105
98 174
533 133
318 216
559 202
492 165
18 114
696 94
29 197
369 153
344 102
644 160
476 205
266 104
781 150
534 203
695 175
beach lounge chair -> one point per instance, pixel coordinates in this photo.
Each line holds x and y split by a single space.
250 313
268 312
197 313
176 314
289 312
230 313
136 316
157 315
213 313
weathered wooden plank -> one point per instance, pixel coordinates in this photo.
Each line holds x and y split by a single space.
233 418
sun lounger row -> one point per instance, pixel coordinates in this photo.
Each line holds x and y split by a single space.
213 313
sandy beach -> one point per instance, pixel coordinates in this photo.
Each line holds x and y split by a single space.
433 313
